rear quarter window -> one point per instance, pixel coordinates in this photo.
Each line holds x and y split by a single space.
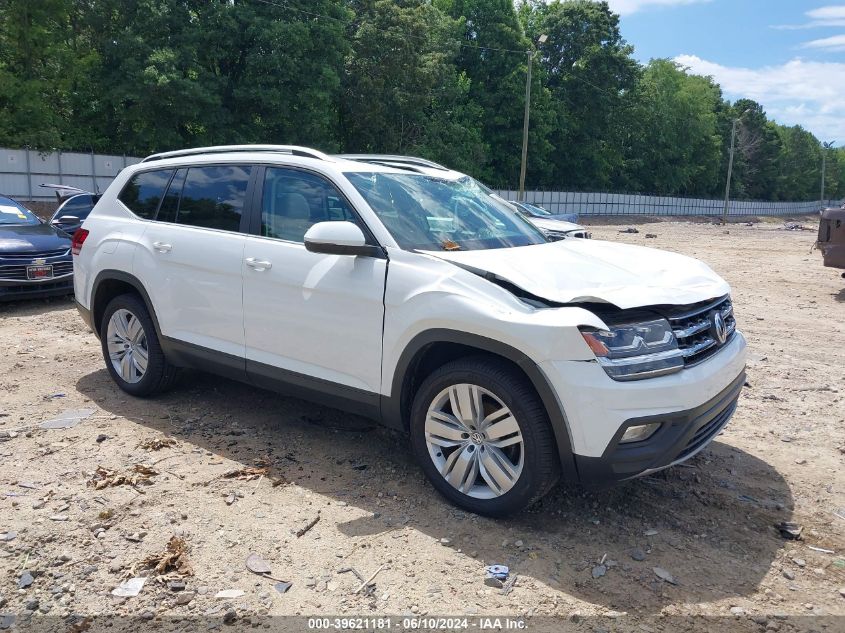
144 191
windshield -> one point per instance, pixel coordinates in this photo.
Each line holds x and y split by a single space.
537 212
428 213
13 213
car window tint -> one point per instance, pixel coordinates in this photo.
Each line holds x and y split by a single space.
144 191
170 204
213 197
78 206
294 200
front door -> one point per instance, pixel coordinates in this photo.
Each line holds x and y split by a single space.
310 319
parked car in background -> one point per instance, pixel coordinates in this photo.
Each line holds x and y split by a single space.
35 257
554 226
831 240
423 301
74 206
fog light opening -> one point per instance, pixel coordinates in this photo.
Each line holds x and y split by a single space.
639 432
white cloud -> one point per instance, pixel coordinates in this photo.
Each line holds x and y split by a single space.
799 92
627 7
831 15
834 43
832 12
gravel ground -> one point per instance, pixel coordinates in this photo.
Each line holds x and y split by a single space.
594 560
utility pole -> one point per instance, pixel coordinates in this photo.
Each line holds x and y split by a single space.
523 166
825 147
731 167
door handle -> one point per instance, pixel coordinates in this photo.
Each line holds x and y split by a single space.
258 264
162 247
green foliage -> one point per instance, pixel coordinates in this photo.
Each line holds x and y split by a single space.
443 79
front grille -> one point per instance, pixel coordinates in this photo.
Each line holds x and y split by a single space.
707 432
18 273
694 330
28 256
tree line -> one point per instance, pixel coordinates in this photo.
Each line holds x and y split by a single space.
443 79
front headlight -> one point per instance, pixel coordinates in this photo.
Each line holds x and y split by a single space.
633 351
554 236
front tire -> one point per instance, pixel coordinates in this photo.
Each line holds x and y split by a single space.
131 348
483 437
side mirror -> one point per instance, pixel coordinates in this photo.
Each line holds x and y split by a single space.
339 238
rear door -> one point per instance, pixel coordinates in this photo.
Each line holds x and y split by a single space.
310 319
190 259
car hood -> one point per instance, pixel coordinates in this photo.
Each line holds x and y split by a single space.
33 238
555 225
575 271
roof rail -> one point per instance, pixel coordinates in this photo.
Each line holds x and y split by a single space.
293 150
391 158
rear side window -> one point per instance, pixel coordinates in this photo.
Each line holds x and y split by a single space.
144 191
213 197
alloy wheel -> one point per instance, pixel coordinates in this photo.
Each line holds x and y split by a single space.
474 441
127 345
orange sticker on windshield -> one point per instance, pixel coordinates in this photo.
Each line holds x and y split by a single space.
449 245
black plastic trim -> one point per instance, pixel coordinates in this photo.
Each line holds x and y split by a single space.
118 275
393 407
365 250
85 313
666 446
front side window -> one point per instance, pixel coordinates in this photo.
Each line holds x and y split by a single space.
143 193
429 213
213 197
294 200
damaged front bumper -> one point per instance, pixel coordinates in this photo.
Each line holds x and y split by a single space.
692 405
681 435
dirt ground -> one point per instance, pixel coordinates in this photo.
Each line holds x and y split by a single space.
709 523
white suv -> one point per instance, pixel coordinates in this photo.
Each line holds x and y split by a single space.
417 299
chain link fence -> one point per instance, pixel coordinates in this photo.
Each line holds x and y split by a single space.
609 204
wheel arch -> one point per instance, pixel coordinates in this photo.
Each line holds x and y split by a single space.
432 348
111 283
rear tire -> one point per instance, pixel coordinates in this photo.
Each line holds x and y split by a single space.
131 348
483 437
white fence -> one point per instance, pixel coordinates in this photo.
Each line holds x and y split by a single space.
583 203
23 170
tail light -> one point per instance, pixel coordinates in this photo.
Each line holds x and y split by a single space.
77 241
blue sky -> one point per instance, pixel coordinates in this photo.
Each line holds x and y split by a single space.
787 54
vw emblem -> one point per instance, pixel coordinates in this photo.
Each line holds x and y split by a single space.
477 438
720 330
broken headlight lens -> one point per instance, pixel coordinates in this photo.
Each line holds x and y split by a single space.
633 351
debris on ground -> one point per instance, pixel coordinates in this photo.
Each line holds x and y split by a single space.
795 226
496 575
651 236
129 588
8 536
599 571
303 530
630 229
67 419
25 580
664 575
258 565
173 559
157 443
229 594
105 478
369 581
282 587
789 530
509 584
262 468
